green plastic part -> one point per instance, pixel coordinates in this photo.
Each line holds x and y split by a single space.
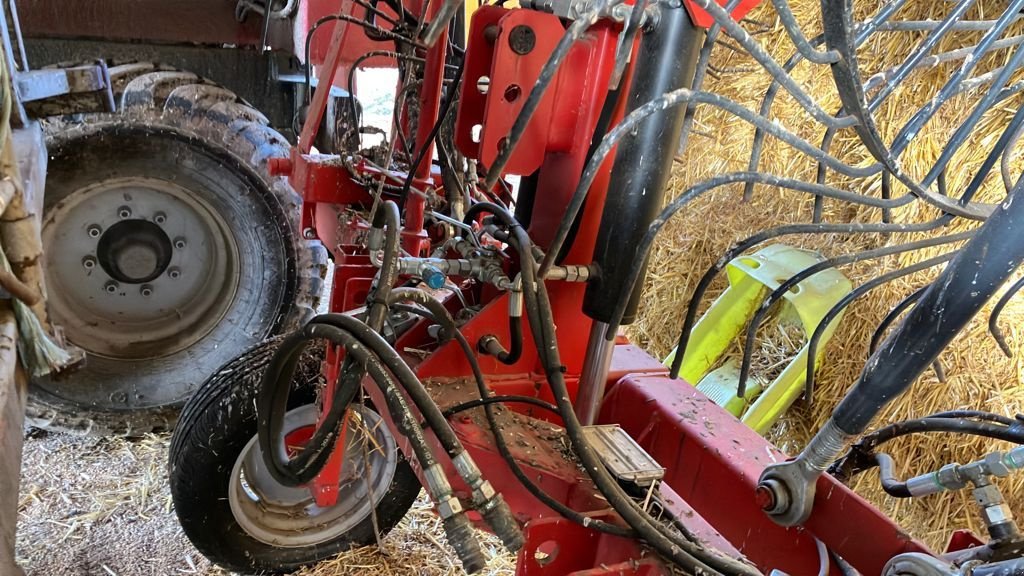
751 278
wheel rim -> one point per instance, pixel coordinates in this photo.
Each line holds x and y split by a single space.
138 268
288 517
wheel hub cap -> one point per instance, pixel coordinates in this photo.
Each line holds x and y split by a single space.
289 517
138 268
134 251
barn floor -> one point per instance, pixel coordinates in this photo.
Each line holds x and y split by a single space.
102 507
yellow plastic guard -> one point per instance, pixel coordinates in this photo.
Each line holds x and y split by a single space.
751 278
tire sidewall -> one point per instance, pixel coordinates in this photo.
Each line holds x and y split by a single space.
216 426
263 235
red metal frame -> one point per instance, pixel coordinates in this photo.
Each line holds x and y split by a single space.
701 17
712 460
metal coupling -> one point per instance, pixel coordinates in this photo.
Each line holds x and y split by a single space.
439 487
786 491
467 469
489 503
490 345
1014 459
946 478
417 266
997 515
515 298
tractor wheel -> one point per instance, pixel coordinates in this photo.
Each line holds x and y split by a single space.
169 249
232 509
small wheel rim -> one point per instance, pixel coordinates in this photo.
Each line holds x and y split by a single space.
138 268
286 517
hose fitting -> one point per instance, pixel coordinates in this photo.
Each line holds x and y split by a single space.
489 503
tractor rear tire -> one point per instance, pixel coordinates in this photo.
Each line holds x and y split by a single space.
170 249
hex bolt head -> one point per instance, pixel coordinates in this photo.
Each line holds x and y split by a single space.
124 212
522 39
309 234
174 273
146 290
111 287
159 217
180 243
94 230
89 262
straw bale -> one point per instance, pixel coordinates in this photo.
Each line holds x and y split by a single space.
979 376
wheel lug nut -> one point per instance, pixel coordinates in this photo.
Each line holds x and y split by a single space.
146 290
179 243
159 218
124 212
174 273
88 262
111 287
94 231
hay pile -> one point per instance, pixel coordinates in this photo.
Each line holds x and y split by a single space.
102 507
979 375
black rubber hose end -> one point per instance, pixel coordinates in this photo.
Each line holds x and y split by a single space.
462 538
499 517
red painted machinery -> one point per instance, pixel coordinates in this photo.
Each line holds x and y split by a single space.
472 342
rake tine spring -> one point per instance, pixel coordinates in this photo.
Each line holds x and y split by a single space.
778 293
846 301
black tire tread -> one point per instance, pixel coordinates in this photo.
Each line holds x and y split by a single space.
215 415
161 96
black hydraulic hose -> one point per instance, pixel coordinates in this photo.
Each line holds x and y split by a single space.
490 345
1012 433
406 378
860 456
487 399
351 19
272 400
272 397
689 555
890 484
387 217
442 117
504 399
784 287
966 284
979 415
355 66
